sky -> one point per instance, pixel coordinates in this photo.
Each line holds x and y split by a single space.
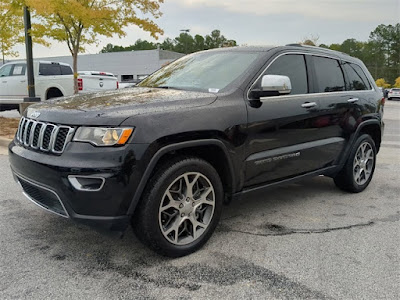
257 22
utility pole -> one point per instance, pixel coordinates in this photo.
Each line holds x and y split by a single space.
29 57
186 32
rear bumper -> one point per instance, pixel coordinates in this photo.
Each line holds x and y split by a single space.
45 180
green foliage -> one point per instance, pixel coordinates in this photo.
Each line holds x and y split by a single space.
80 22
184 43
381 53
11 27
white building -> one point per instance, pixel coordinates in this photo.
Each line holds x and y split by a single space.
128 66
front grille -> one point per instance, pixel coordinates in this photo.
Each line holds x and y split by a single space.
43 136
43 197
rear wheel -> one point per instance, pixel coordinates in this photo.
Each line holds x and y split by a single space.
180 208
360 166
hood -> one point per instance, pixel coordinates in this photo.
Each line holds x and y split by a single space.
113 107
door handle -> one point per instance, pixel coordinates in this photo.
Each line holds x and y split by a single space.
352 100
23 81
4 82
308 104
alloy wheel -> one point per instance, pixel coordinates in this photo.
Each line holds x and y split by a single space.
187 208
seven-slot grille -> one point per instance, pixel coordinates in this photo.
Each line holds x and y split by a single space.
43 136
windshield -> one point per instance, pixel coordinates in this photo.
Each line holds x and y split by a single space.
207 71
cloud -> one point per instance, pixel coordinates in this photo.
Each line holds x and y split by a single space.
357 10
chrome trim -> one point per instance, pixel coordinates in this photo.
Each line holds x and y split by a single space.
309 104
28 141
41 133
32 133
75 183
36 202
53 137
308 94
67 138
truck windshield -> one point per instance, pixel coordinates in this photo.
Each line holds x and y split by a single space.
207 71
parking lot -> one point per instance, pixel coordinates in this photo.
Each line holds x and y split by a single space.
302 241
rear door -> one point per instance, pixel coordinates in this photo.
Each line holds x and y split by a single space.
339 110
285 133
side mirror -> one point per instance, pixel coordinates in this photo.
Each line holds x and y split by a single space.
273 85
276 83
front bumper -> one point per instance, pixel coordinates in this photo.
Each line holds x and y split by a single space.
45 180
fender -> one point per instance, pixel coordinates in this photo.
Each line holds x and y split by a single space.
169 148
354 137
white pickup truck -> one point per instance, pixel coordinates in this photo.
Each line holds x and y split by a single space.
52 79
94 81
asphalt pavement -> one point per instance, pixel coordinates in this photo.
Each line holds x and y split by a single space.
302 241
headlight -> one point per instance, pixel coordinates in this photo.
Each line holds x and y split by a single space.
103 136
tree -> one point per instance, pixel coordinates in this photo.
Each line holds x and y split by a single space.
184 43
381 82
11 27
214 40
397 82
387 39
79 22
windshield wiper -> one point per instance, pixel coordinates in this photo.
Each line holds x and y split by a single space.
167 87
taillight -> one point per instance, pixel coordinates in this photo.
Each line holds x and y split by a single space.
383 101
117 85
80 84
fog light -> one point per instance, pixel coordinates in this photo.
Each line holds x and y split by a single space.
87 183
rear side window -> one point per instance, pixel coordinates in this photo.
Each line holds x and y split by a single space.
329 75
294 67
18 70
356 77
66 70
49 69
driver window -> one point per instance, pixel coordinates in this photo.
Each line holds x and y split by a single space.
294 67
5 70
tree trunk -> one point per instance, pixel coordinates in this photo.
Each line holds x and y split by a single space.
75 69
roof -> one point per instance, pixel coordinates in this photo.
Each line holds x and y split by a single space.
298 47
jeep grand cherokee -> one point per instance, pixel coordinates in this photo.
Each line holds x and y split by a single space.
209 127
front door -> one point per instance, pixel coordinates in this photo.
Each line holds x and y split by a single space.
17 83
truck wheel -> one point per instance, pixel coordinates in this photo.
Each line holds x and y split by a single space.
360 166
180 207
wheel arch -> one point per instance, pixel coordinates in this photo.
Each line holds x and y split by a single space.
213 151
371 127
54 89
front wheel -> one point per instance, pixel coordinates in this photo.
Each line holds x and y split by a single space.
359 167
180 208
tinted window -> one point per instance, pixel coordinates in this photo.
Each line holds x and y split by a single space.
66 70
294 67
49 69
18 70
5 70
356 77
329 75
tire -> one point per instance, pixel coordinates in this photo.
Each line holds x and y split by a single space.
167 202
359 168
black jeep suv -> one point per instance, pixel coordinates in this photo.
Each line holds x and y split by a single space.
207 128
